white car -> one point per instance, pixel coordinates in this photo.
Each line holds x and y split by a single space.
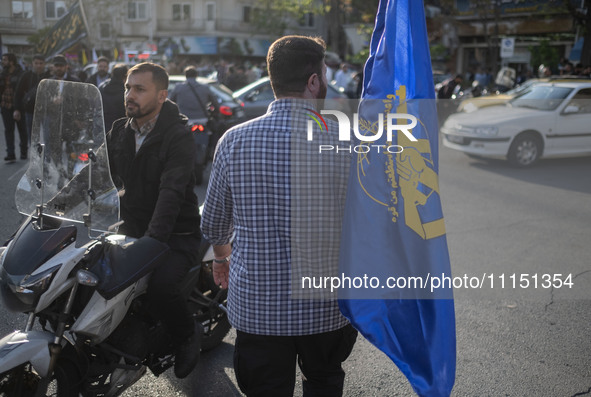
550 120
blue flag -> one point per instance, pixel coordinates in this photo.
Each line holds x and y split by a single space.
394 261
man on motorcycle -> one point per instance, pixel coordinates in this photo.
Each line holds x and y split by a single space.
151 159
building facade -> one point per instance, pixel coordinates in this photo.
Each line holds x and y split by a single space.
158 29
490 34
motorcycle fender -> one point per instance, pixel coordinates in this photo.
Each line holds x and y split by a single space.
21 347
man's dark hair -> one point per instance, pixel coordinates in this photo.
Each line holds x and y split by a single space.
159 75
39 57
102 59
291 61
190 72
11 57
119 72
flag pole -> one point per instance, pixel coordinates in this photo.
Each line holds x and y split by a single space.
85 21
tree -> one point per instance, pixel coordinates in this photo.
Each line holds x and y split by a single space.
582 17
36 38
544 54
274 16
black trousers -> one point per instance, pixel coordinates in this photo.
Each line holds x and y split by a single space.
164 289
265 365
9 124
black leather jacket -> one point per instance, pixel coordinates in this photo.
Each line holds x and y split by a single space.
159 200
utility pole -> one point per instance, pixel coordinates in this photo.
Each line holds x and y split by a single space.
496 48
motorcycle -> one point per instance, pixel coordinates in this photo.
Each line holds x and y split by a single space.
82 286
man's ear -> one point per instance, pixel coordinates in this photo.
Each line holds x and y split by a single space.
313 84
162 95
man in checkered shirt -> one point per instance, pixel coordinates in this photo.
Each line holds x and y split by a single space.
283 199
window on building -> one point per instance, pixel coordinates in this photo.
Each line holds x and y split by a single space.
181 12
210 11
55 9
22 9
137 10
247 14
307 20
105 30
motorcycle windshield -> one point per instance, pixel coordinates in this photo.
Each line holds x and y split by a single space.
67 126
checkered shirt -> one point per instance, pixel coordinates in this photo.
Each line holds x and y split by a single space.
284 202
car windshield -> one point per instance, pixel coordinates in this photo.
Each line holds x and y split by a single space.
254 85
541 97
522 87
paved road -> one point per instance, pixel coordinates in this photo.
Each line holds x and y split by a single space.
510 342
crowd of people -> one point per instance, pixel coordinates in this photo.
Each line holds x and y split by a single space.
18 91
236 75
18 87
151 159
508 78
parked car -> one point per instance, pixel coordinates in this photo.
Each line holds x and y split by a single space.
229 111
226 113
258 95
472 104
549 120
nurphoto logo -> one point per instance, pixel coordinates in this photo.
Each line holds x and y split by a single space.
392 124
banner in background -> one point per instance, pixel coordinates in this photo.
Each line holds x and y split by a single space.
65 33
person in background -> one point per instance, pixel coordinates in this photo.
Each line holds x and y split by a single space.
237 78
265 174
102 72
482 78
113 95
448 88
445 104
253 74
11 72
343 77
26 91
61 69
192 97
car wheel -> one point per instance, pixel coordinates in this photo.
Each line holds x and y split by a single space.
525 150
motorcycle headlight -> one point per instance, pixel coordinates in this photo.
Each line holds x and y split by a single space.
487 131
36 284
20 294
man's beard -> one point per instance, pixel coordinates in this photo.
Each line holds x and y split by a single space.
322 91
321 95
138 111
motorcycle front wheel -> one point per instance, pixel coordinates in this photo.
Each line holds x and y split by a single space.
23 381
